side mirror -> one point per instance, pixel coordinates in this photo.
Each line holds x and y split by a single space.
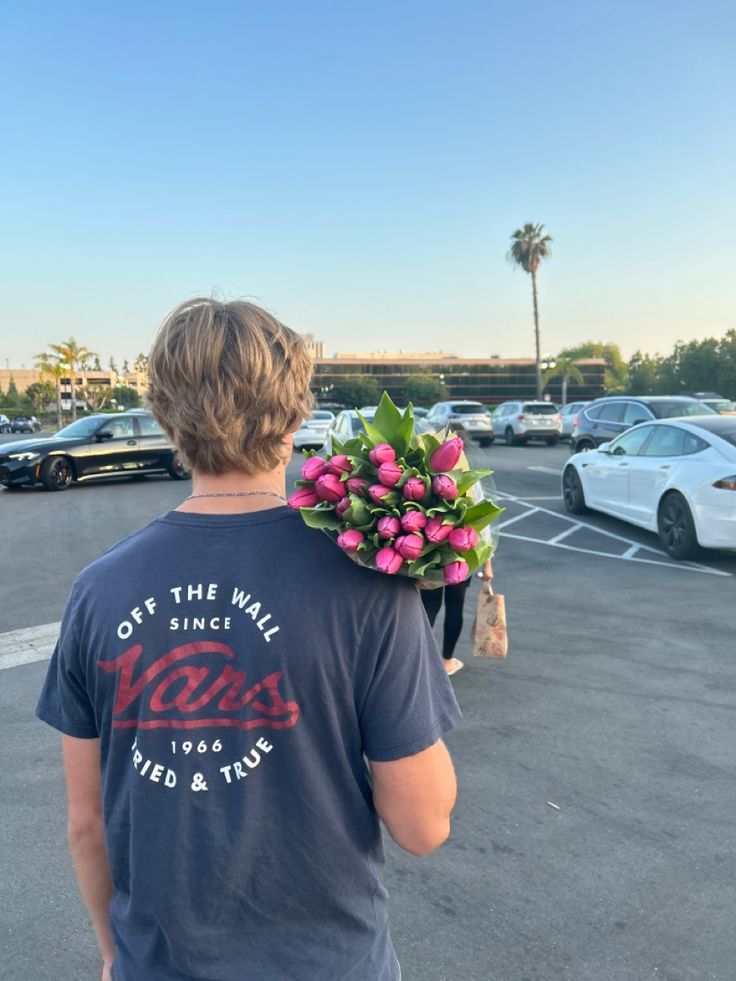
105 434
604 448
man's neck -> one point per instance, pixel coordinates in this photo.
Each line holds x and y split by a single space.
235 493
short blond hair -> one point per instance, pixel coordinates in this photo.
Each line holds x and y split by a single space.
228 382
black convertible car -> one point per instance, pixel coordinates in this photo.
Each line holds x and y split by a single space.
90 448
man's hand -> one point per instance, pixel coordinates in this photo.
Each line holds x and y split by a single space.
106 971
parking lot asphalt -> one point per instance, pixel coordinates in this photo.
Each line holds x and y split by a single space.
616 704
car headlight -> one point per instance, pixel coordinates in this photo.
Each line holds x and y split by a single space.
28 457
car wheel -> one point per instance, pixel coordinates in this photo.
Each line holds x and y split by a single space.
509 437
177 470
572 492
584 446
551 441
57 473
676 527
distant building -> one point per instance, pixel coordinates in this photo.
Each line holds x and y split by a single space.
315 348
428 356
487 380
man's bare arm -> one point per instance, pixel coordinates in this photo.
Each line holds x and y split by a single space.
86 836
414 797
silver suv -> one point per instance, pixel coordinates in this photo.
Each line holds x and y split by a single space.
518 422
472 416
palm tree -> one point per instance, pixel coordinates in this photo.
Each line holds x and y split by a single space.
75 357
56 371
565 368
528 247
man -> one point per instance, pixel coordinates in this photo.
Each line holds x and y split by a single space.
221 679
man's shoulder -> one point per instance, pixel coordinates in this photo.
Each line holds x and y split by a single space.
118 556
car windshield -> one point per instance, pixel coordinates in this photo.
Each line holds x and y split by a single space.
541 410
680 407
729 437
322 416
82 427
357 425
468 409
720 405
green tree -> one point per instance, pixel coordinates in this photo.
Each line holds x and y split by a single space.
112 366
424 389
529 246
40 394
645 374
141 362
96 366
616 377
12 398
125 395
353 391
566 369
727 365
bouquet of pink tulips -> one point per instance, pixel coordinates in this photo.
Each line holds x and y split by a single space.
397 502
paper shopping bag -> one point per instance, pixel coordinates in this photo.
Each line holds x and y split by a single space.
490 638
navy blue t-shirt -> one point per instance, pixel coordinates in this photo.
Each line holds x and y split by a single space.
236 669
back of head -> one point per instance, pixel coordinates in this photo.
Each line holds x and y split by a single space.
228 383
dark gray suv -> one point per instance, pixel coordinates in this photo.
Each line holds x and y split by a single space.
604 419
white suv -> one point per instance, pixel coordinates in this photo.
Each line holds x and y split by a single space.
518 422
474 418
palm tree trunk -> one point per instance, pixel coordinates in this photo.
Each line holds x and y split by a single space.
564 389
72 378
59 419
537 347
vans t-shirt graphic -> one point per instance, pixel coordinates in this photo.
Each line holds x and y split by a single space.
236 669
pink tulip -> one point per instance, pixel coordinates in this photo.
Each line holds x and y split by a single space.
456 572
350 540
436 532
409 546
383 453
314 467
415 489
342 506
330 488
304 498
388 527
380 494
461 539
389 474
445 487
413 521
356 485
446 456
388 561
340 464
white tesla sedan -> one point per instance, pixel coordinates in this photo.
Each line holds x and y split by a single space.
676 477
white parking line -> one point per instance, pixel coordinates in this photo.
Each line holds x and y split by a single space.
557 473
679 566
519 517
630 555
563 534
27 645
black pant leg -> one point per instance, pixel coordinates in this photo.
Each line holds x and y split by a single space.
454 602
432 600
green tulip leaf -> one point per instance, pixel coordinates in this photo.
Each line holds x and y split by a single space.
318 517
480 515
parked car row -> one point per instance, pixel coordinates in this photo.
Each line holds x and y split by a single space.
606 418
94 447
21 424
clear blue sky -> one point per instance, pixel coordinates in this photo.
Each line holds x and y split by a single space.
358 168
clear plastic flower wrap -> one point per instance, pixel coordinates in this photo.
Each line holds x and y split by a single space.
400 503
